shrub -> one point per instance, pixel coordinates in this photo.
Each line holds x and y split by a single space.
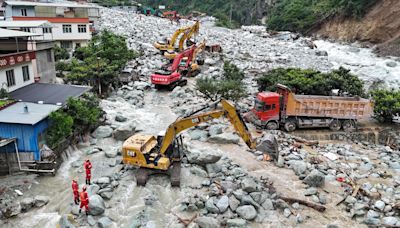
387 104
60 127
60 53
85 112
312 82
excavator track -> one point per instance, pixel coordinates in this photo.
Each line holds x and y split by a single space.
176 174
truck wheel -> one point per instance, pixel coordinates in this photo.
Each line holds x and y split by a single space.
335 125
272 126
348 125
290 126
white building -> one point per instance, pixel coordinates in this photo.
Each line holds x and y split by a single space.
72 23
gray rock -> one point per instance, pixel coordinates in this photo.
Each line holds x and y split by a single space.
10 209
202 157
332 226
249 185
247 212
92 189
299 167
373 214
67 221
75 210
350 200
215 129
224 138
256 197
103 132
247 200
91 220
106 195
27 204
105 222
321 53
207 222
391 64
268 144
310 191
40 201
111 153
268 205
198 171
213 168
236 223
380 205
322 198
315 179
223 203
123 132
198 134
299 218
103 180
371 221
77 164
96 205
390 221
233 203
287 212
95 150
120 118
211 207
239 193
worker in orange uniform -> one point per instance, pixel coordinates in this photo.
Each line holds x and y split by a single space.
84 200
88 168
75 190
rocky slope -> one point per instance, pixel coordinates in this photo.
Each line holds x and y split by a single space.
381 25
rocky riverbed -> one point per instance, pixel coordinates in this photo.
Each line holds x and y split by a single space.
223 182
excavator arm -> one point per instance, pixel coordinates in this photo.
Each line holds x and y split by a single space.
228 110
188 34
175 36
199 49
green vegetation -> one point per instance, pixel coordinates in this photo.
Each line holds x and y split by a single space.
3 93
61 127
301 15
386 104
100 63
62 66
80 115
60 53
229 87
312 82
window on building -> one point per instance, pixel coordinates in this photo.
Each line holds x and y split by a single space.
46 30
24 29
82 28
67 28
23 12
25 73
66 44
49 56
10 78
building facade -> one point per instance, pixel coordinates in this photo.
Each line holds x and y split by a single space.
72 23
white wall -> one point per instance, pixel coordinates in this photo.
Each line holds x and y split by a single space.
74 35
19 80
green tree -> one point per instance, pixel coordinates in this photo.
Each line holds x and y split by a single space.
85 112
60 127
230 86
62 66
312 82
100 62
60 53
386 104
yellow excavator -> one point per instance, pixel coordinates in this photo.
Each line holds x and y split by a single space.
200 47
169 44
162 154
186 36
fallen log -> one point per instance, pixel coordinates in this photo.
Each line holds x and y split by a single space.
315 206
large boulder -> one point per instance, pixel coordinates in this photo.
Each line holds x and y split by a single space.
315 179
123 132
268 144
249 185
105 222
236 223
247 212
202 156
40 201
198 134
224 138
299 167
215 129
96 205
223 203
93 189
67 221
26 204
102 132
210 206
10 209
207 222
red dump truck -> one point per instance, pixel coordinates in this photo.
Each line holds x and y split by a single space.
284 108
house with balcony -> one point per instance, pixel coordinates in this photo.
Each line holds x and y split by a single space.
72 23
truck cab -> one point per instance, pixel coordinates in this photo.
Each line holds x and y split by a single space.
266 110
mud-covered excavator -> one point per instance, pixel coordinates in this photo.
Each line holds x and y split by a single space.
163 153
169 44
